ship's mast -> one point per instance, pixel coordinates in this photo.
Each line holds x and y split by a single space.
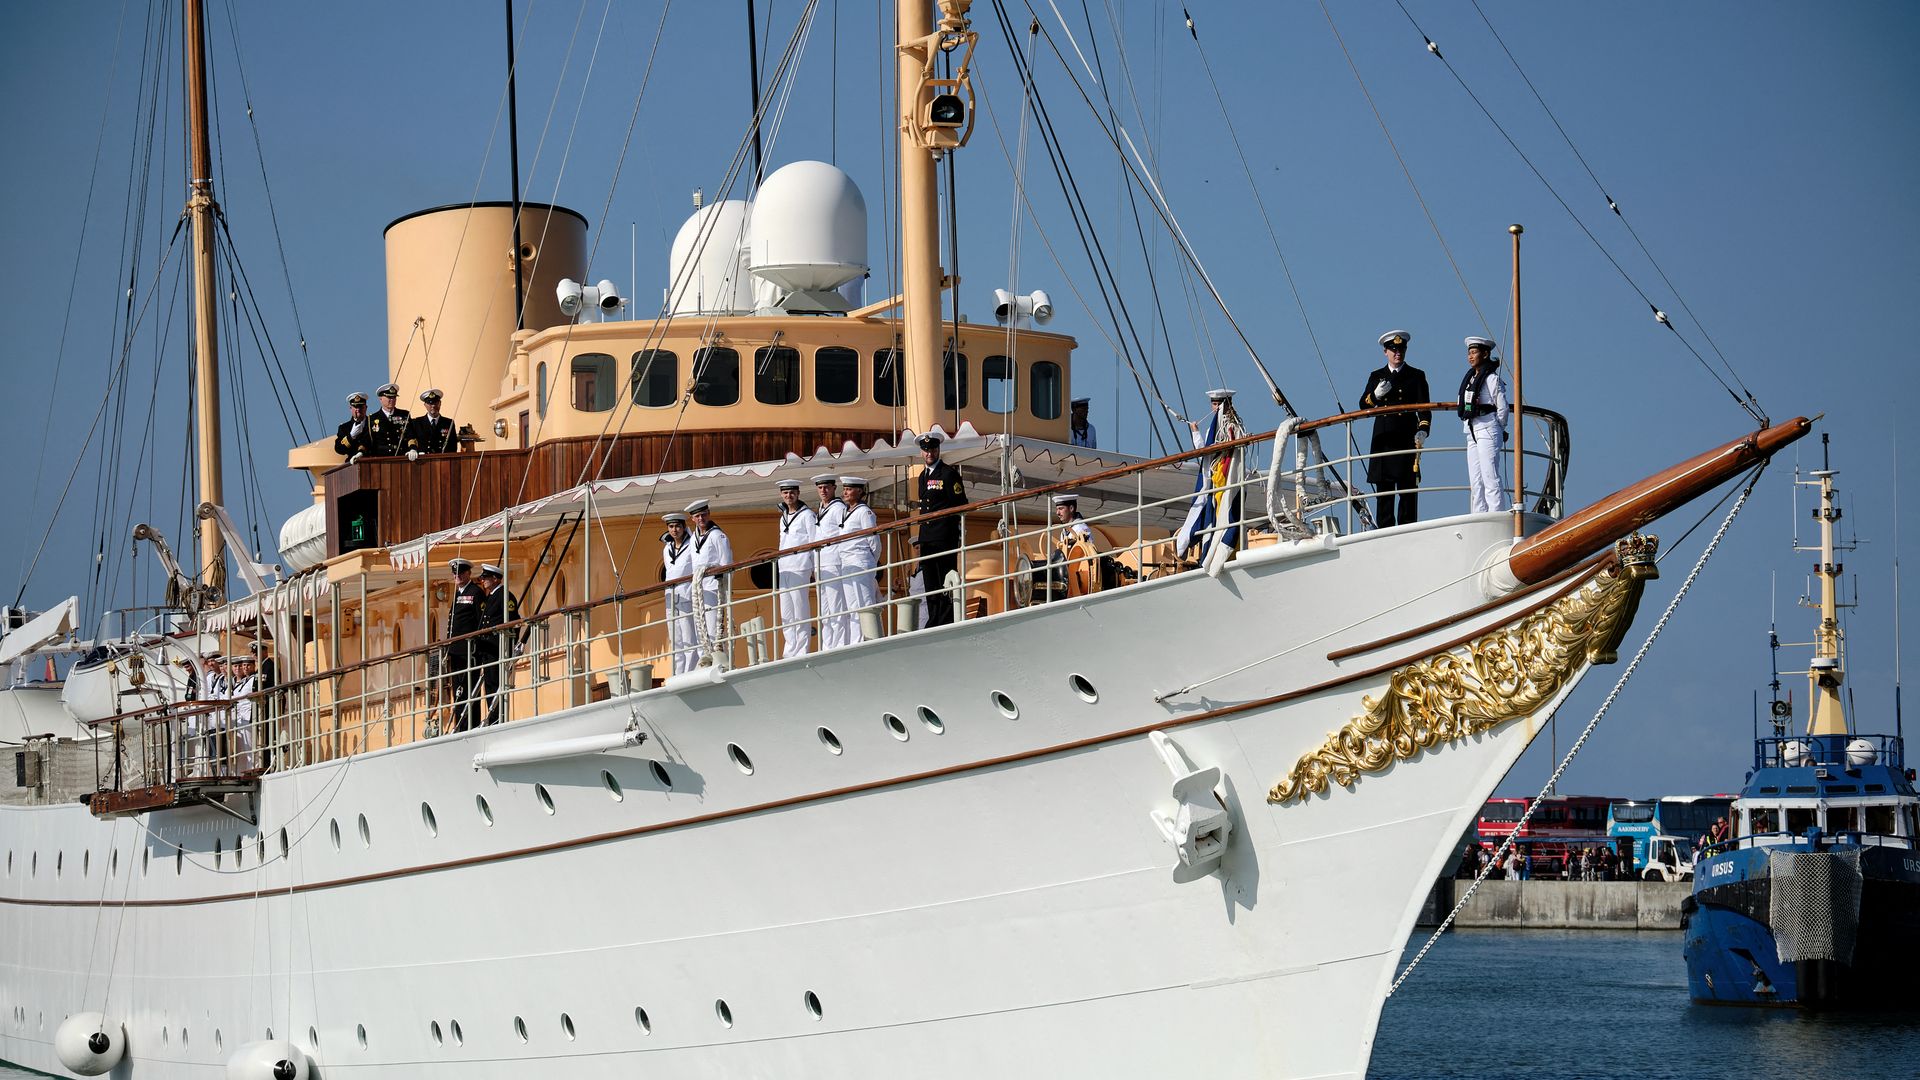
935 117
201 209
1826 715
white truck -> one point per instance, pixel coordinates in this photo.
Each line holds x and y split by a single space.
1669 858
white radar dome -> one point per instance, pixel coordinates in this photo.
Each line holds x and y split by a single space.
809 231
1861 752
706 274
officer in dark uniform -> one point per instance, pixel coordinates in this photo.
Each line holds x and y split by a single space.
463 617
350 439
432 433
1396 478
939 488
387 429
497 608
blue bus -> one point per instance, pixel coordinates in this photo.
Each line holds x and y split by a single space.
1688 816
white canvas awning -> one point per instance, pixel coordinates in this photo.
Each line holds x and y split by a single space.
293 594
751 485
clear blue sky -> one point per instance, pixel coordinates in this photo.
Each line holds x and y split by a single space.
1765 152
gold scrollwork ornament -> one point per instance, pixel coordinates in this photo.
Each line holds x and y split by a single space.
1496 678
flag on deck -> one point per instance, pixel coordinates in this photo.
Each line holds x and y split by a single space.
1214 517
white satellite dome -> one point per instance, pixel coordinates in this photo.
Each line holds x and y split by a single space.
712 279
809 232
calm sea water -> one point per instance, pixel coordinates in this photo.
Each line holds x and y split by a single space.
1600 1004
1597 1005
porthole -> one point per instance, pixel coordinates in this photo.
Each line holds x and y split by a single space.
520 1029
1006 706
216 853
60 862
896 726
219 1043
566 1026
433 1030
183 1035
739 758
660 774
812 1002
1081 686
313 1038
366 834
641 1020
612 784
146 860
33 865
722 1013
284 848
166 1035
831 741
113 862
427 820
260 843
546 797
86 863
932 720
360 1033
486 812
179 860
333 831
459 1037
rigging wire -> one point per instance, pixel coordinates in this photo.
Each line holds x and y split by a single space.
1749 405
1612 205
1265 219
1405 169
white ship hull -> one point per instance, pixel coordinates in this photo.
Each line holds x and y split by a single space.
989 898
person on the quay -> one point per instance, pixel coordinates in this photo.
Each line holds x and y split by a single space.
793 574
1483 416
1398 436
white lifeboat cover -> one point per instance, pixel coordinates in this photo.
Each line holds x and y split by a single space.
303 539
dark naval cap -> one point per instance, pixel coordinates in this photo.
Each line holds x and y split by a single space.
931 440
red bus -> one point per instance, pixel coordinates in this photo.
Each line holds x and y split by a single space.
1561 822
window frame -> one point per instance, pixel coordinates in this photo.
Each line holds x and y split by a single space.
603 384
634 373
819 395
699 371
1056 379
764 356
898 397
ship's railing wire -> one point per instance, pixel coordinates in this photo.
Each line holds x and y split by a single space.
642 639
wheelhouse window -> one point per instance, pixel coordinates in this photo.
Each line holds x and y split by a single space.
716 371
656 378
540 390
836 375
889 377
776 375
996 384
592 382
1046 386
954 372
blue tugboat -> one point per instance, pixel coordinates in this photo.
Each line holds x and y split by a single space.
1812 898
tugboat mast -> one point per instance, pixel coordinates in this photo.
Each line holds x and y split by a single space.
201 209
1826 715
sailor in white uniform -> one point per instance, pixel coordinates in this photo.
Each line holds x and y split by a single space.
1080 429
1483 416
676 561
1224 425
827 565
711 549
858 557
239 759
798 523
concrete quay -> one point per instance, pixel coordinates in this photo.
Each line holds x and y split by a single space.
1560 905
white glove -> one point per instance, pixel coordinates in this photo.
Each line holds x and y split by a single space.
1381 389
413 455
353 459
358 427
1419 439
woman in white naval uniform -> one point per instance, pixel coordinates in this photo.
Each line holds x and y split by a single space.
676 561
1483 415
833 629
858 557
794 578
711 548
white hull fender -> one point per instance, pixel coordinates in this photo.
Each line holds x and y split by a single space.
89 1043
944 854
